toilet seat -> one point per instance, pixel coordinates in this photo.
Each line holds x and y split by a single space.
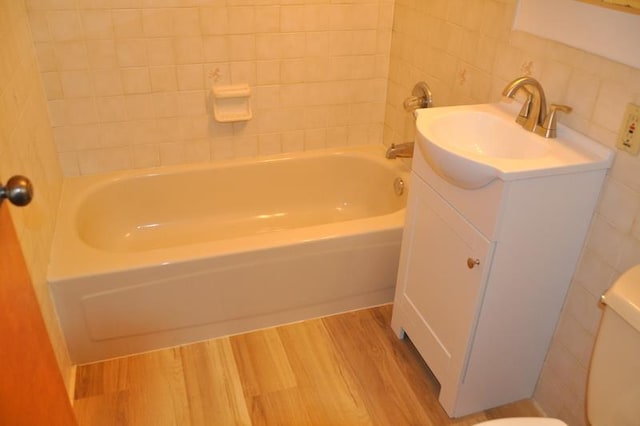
523 421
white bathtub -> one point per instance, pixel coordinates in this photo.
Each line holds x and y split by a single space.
149 259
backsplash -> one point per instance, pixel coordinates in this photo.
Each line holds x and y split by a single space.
128 81
467 52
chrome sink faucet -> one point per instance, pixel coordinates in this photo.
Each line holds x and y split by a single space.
533 115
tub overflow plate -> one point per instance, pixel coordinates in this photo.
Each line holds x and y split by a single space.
398 186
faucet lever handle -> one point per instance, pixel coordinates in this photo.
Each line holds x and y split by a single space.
525 111
548 128
559 107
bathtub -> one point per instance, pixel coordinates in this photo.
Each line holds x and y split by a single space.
143 260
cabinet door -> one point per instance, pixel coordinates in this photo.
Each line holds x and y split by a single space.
439 292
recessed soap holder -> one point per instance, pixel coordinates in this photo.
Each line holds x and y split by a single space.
232 103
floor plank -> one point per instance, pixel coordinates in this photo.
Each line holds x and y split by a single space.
214 388
329 394
365 352
347 369
263 363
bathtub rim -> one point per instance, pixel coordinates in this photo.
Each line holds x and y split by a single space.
87 260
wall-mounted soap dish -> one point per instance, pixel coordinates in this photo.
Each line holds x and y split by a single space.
232 103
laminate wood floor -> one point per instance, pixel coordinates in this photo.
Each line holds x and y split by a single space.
347 369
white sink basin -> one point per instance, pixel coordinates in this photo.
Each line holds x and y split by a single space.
472 145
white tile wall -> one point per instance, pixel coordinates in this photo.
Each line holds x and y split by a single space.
466 51
118 74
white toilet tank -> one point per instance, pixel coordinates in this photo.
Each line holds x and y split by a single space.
613 394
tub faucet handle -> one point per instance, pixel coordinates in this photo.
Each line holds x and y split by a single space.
420 97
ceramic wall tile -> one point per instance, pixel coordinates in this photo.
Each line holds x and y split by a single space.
111 55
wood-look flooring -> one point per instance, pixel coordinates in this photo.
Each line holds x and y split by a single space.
347 369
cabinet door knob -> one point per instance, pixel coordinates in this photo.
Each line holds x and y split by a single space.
472 262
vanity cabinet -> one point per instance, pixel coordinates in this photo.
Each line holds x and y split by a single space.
483 276
438 284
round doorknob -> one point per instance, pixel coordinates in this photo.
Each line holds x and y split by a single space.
472 262
18 190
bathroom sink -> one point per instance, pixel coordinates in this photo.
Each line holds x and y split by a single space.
472 145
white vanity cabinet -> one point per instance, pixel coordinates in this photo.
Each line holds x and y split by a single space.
483 276
438 285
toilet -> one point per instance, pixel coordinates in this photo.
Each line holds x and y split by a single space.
613 390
